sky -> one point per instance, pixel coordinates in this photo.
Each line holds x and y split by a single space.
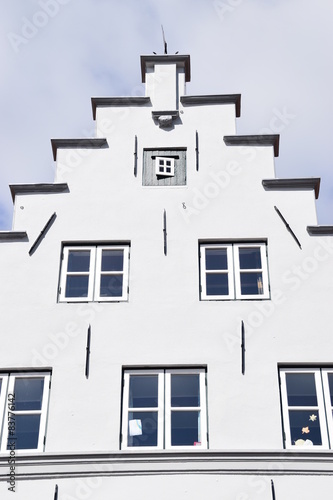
57 54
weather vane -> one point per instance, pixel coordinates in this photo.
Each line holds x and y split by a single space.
164 43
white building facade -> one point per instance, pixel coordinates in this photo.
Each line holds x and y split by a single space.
166 322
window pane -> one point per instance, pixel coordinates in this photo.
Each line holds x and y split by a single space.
301 389
77 286
0 385
143 391
112 260
78 261
304 427
111 285
251 283
26 432
249 258
185 390
28 393
330 385
217 284
216 258
185 428
142 428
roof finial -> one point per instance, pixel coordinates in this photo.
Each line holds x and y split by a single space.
165 44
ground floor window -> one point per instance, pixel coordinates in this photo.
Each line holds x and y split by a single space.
307 405
164 408
23 407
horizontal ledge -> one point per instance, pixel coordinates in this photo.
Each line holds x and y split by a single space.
87 143
254 140
46 466
320 230
13 236
38 188
179 59
197 100
293 184
118 101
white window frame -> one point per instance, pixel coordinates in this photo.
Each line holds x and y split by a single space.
323 407
8 384
233 271
94 273
164 408
164 160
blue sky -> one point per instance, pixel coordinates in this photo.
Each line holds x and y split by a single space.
57 54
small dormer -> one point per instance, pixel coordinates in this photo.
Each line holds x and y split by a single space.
165 77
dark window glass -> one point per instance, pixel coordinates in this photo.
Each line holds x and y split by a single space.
112 260
26 432
77 286
305 426
249 258
185 390
28 393
216 258
142 428
78 261
301 389
143 391
217 284
251 283
184 428
111 285
330 385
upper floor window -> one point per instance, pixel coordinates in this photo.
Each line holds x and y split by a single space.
23 410
164 408
307 405
233 271
164 167
94 273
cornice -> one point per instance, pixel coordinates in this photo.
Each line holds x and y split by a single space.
49 466
151 60
320 230
293 184
118 101
13 236
254 140
201 100
38 188
88 143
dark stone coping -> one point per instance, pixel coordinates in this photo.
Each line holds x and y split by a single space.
197 100
166 59
13 236
88 143
254 140
118 101
301 183
320 230
37 188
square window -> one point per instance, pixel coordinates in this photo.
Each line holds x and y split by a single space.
307 407
233 271
23 404
94 273
164 408
165 166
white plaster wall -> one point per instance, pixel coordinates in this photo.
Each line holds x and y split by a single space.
220 487
164 322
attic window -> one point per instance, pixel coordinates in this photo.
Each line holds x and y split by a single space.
165 166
